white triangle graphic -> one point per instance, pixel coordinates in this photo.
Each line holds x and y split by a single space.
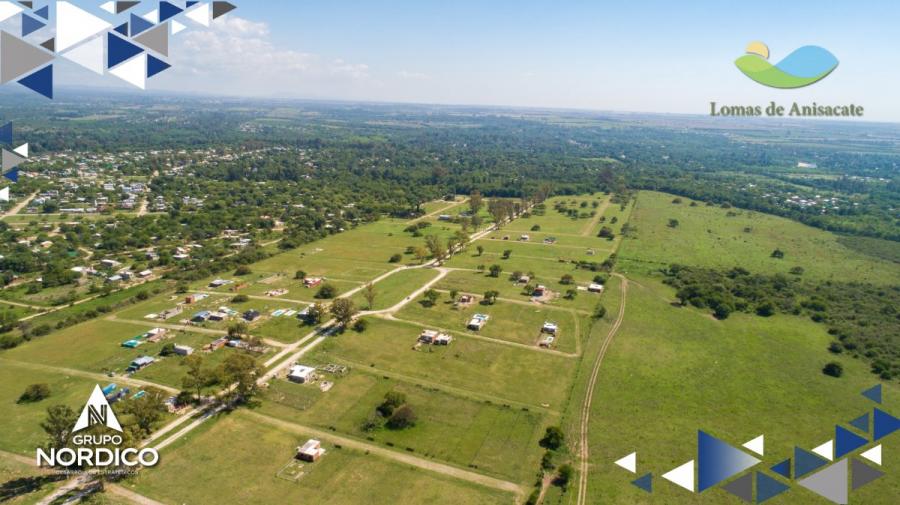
201 14
89 55
74 25
98 404
152 16
682 476
826 450
873 454
133 71
177 27
4 196
757 445
629 462
8 10
22 150
109 7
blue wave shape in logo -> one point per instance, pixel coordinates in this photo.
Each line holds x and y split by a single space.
808 62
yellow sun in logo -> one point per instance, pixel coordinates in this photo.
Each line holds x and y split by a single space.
759 48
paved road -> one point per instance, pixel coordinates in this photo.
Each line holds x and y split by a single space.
401 457
589 396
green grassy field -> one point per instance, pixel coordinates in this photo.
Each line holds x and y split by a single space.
559 223
22 484
395 288
202 469
672 371
497 440
504 372
708 236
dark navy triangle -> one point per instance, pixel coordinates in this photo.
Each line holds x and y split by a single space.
191 3
767 487
123 28
717 461
44 12
884 424
12 175
119 50
31 25
155 66
783 468
645 482
846 441
40 81
805 462
139 24
861 423
873 393
6 133
168 10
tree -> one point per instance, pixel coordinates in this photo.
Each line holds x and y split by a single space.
369 294
343 311
765 309
198 377
490 297
567 279
673 223
147 410
35 393
480 249
402 418
241 370
240 299
476 202
315 314
833 369
495 270
507 253
299 275
326 291
454 294
778 254
432 297
606 232
392 400
58 425
571 294
420 253
564 476
435 247
238 329
395 258
243 270
553 438
360 325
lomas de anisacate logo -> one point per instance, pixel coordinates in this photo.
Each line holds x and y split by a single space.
91 449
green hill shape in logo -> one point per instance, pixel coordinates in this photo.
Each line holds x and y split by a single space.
805 66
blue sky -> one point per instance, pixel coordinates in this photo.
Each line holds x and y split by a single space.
630 56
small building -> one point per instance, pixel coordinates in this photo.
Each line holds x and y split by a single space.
301 374
547 341
595 288
184 350
131 344
524 279
139 363
466 299
477 322
145 273
216 344
218 283
218 316
201 316
445 217
251 315
311 451
195 297
524 237
311 282
110 263
443 339
539 291
428 336
550 328
170 313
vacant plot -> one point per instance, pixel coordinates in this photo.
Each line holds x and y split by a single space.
671 371
508 321
392 290
557 222
202 469
725 238
500 441
495 369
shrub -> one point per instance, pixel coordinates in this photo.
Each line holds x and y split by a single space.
395 258
35 393
553 438
243 270
240 299
360 325
326 291
402 418
833 369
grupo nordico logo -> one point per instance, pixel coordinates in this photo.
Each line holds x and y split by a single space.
806 65
99 449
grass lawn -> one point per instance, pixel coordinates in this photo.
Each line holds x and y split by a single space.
671 371
508 321
709 236
556 222
21 484
287 329
497 440
505 372
395 288
202 469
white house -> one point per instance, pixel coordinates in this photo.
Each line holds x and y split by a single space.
595 288
311 451
183 350
301 374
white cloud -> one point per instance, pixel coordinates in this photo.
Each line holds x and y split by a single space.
415 76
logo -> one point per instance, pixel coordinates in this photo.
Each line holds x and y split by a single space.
805 66
97 411
97 451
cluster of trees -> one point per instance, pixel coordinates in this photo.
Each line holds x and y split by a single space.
862 317
238 374
394 413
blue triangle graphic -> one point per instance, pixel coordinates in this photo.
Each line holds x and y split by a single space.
767 487
139 24
846 441
783 468
873 393
167 10
44 12
861 423
645 482
884 424
12 175
191 3
805 462
155 66
6 133
717 461
123 28
119 50
31 25
40 81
